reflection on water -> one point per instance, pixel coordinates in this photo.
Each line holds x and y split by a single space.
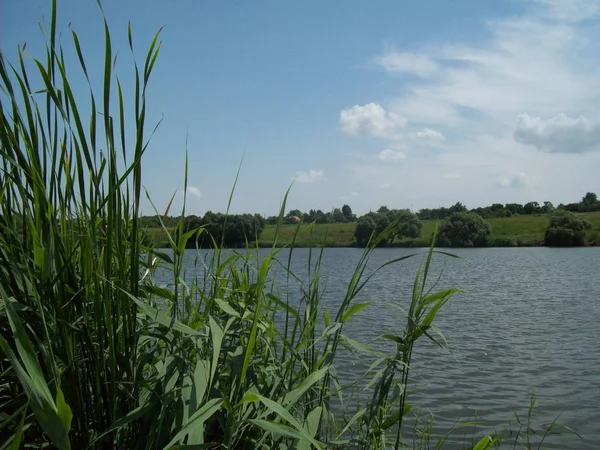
529 322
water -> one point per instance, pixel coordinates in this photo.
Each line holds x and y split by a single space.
529 322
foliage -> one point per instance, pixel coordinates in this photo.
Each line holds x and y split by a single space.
588 203
526 230
441 213
566 229
365 227
223 230
409 224
96 354
404 223
464 229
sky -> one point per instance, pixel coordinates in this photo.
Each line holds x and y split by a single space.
404 104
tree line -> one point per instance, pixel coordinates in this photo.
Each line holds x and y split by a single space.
459 227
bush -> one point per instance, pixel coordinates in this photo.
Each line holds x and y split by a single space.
464 229
504 241
565 229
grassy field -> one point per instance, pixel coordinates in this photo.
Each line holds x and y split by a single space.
526 230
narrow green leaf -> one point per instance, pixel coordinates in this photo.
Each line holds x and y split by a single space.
162 318
354 309
226 307
485 443
204 413
216 333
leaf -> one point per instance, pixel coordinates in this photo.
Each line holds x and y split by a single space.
163 318
299 431
293 396
32 380
394 338
351 422
354 309
485 443
18 436
312 421
226 307
217 338
395 417
277 428
199 417
64 410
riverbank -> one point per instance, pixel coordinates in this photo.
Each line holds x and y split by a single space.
516 231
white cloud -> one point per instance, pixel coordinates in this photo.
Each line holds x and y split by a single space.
520 180
309 177
544 63
528 64
385 185
371 119
193 191
569 10
560 134
391 155
406 62
428 134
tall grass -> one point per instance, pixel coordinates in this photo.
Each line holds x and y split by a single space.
97 354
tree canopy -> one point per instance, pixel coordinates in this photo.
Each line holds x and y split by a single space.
228 230
407 225
464 229
566 229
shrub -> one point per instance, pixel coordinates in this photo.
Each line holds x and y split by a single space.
464 229
504 241
566 229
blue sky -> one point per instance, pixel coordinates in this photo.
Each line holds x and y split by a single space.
404 104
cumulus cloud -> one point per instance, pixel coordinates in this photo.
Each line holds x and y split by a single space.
371 119
428 134
406 62
193 191
559 134
309 177
519 180
391 155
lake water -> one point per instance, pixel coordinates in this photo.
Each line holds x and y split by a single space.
529 323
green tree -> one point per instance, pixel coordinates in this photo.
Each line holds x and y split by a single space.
566 229
531 208
457 207
409 224
347 212
548 207
365 226
464 229
590 199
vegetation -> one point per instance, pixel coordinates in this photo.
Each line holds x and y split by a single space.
512 225
96 354
224 230
464 229
566 229
404 224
